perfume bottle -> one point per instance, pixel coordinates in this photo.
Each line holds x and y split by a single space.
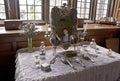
93 43
109 52
37 61
42 50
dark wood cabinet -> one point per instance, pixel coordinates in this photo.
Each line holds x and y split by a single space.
101 35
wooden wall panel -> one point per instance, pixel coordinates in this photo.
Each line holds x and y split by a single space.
6 47
21 45
101 35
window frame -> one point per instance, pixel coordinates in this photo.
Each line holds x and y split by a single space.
100 9
32 12
5 9
85 9
45 10
93 9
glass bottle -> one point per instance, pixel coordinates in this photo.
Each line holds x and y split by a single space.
93 43
109 52
37 61
42 50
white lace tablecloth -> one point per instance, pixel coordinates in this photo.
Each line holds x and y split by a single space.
104 68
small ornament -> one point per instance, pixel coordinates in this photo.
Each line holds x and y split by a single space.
42 48
109 52
37 61
93 43
45 67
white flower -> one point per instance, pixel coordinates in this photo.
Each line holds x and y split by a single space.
29 29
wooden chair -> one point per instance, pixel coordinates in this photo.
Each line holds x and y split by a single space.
113 43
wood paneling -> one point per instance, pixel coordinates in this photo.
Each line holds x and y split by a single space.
101 35
6 47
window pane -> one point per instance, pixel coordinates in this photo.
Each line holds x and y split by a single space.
105 6
86 16
1 1
23 9
22 1
58 3
2 16
102 6
38 16
87 11
83 8
78 4
31 9
87 5
97 17
98 6
82 16
106 1
78 11
82 5
104 11
88 0
38 2
30 2
2 8
78 15
31 16
23 16
52 2
38 9
104 15
99 11
64 2
83 1
103 1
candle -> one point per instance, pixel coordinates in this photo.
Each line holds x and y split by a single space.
72 3
85 27
46 28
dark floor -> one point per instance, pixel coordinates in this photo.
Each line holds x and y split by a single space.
7 68
7 75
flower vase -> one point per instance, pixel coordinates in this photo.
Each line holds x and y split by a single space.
30 44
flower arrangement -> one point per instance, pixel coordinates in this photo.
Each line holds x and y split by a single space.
29 29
